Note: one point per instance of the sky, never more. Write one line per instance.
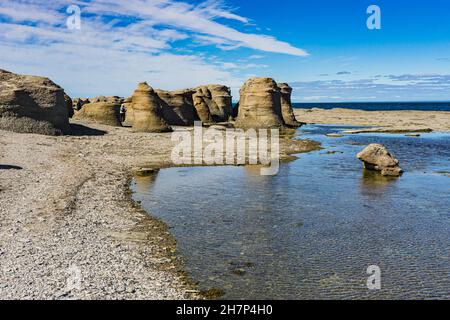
(323, 49)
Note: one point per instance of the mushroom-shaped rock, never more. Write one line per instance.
(32, 104)
(377, 157)
(148, 116)
(286, 105)
(178, 107)
(260, 104)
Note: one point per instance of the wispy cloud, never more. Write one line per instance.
(123, 42)
(342, 73)
(199, 19)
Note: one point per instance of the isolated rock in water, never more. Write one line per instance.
(129, 115)
(148, 116)
(104, 111)
(178, 107)
(377, 157)
(260, 104)
(32, 104)
(218, 100)
(286, 105)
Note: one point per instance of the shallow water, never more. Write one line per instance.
(311, 231)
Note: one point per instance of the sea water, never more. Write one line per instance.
(312, 231)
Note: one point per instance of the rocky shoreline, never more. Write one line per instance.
(65, 205)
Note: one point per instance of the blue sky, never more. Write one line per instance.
(322, 48)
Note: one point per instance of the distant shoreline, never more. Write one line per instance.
(377, 106)
(390, 120)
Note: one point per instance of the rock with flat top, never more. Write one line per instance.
(260, 105)
(102, 110)
(32, 104)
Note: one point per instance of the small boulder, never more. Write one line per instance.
(377, 157)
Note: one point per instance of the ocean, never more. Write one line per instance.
(377, 106)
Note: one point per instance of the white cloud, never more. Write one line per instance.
(123, 42)
(199, 19)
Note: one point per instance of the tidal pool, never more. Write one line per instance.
(311, 231)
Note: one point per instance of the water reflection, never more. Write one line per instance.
(373, 180)
(143, 183)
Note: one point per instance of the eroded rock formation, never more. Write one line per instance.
(103, 110)
(260, 104)
(377, 157)
(213, 103)
(32, 104)
(202, 108)
(69, 105)
(148, 115)
(286, 105)
(178, 107)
